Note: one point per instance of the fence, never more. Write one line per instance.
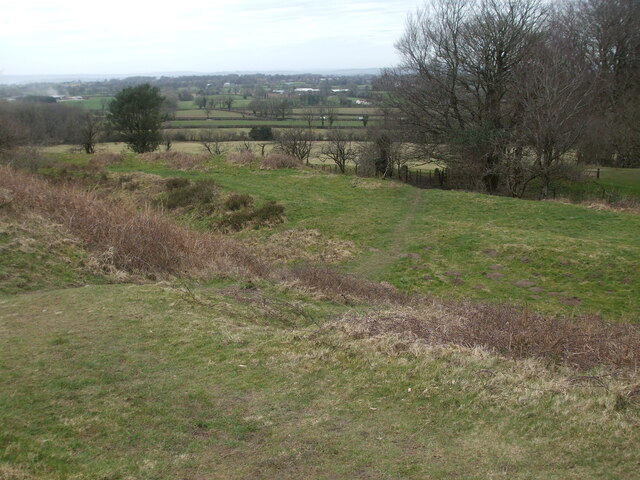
(593, 172)
(418, 178)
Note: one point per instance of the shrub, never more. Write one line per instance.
(280, 160)
(238, 201)
(199, 195)
(176, 182)
(241, 158)
(261, 133)
(267, 214)
(583, 342)
(27, 158)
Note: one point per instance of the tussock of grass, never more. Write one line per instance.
(583, 342)
(280, 160)
(241, 158)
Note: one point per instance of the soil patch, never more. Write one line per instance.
(495, 275)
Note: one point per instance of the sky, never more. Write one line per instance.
(55, 37)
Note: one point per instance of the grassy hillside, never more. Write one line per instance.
(555, 257)
(138, 344)
(138, 382)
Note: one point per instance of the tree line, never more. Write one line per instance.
(504, 91)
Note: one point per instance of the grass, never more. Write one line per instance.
(251, 122)
(36, 254)
(555, 258)
(155, 386)
(300, 371)
(625, 180)
(202, 114)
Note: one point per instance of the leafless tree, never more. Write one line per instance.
(609, 31)
(296, 142)
(208, 106)
(332, 114)
(88, 130)
(340, 148)
(309, 115)
(212, 142)
(554, 89)
(453, 90)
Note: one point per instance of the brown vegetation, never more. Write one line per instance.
(280, 160)
(334, 285)
(583, 342)
(242, 158)
(137, 241)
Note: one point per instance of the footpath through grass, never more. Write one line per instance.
(556, 258)
(126, 381)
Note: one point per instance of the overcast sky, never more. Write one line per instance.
(133, 36)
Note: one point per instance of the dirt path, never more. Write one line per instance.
(380, 260)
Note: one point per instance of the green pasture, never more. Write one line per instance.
(223, 378)
(91, 103)
(199, 113)
(555, 258)
(252, 122)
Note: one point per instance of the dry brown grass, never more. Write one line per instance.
(583, 342)
(280, 160)
(174, 159)
(334, 285)
(301, 245)
(628, 205)
(241, 158)
(139, 241)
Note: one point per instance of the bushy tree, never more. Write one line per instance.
(136, 113)
(261, 133)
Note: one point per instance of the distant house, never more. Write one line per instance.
(306, 90)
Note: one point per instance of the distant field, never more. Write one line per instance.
(213, 114)
(91, 103)
(252, 122)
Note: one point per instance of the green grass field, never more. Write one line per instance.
(553, 257)
(120, 377)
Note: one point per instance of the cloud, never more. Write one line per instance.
(127, 36)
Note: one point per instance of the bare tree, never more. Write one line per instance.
(554, 89)
(208, 106)
(212, 142)
(296, 142)
(453, 91)
(309, 115)
(227, 101)
(340, 148)
(88, 128)
(331, 114)
(609, 33)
